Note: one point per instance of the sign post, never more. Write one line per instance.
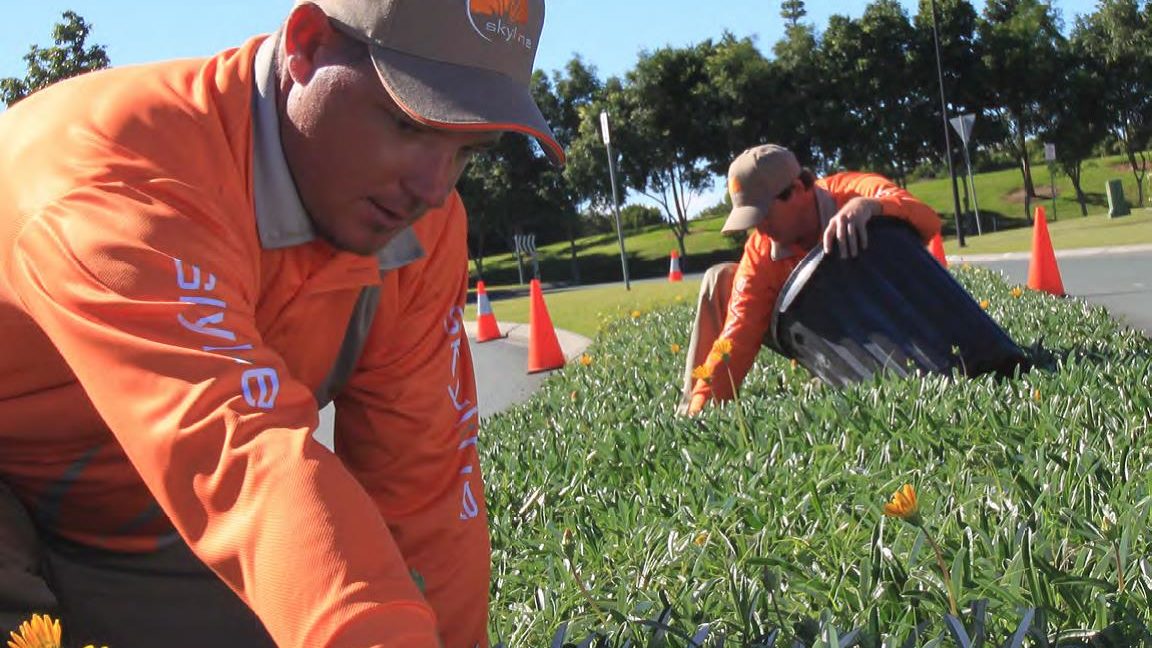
(963, 125)
(615, 201)
(1050, 157)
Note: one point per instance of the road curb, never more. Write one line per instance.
(1075, 252)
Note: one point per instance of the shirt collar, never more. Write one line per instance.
(281, 218)
(825, 207)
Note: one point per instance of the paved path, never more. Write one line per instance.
(502, 377)
(1119, 279)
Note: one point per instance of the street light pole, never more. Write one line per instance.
(615, 200)
(947, 137)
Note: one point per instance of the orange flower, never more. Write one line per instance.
(40, 632)
(635, 314)
(1036, 395)
(675, 348)
(702, 373)
(723, 347)
(984, 304)
(903, 505)
(1016, 292)
(585, 359)
(701, 539)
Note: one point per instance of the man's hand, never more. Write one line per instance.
(850, 226)
(697, 404)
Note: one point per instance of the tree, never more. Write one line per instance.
(792, 11)
(885, 121)
(803, 101)
(47, 65)
(1021, 41)
(672, 130)
(1118, 36)
(1077, 121)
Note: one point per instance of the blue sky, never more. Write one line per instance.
(608, 34)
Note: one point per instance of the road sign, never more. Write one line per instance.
(963, 125)
(604, 127)
(1049, 151)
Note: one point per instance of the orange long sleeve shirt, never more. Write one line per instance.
(761, 273)
(169, 323)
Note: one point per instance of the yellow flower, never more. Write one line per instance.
(1016, 292)
(40, 632)
(679, 298)
(675, 348)
(585, 359)
(795, 363)
(1036, 395)
(965, 266)
(635, 314)
(701, 539)
(904, 505)
(702, 373)
(984, 304)
(722, 346)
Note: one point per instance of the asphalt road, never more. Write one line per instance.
(1118, 279)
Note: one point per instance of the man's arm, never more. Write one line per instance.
(757, 283)
(865, 195)
(153, 310)
(407, 426)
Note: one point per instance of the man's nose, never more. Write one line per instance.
(432, 174)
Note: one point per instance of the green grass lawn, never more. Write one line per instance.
(612, 517)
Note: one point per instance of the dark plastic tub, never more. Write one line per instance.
(892, 308)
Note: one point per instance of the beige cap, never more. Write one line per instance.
(455, 64)
(755, 178)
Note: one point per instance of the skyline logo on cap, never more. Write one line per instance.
(500, 21)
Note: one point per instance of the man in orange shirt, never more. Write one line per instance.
(195, 257)
(789, 211)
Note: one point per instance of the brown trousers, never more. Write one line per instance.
(166, 598)
(711, 309)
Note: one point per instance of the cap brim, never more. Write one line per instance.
(742, 218)
(459, 97)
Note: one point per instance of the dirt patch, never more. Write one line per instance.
(1016, 196)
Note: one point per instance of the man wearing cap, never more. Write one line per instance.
(788, 212)
(198, 255)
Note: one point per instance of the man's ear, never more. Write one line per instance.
(305, 33)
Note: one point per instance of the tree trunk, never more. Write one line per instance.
(572, 250)
(1074, 174)
(1139, 175)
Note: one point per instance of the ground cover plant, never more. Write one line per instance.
(762, 522)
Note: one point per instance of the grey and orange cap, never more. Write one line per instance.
(455, 64)
(755, 178)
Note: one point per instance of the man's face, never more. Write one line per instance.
(363, 169)
(794, 219)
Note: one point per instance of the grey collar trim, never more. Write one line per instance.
(281, 218)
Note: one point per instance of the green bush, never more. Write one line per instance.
(609, 512)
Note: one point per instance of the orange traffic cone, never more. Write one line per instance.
(543, 348)
(486, 328)
(936, 246)
(674, 273)
(1043, 273)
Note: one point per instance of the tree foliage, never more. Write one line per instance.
(68, 57)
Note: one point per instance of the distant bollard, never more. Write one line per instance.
(1117, 205)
